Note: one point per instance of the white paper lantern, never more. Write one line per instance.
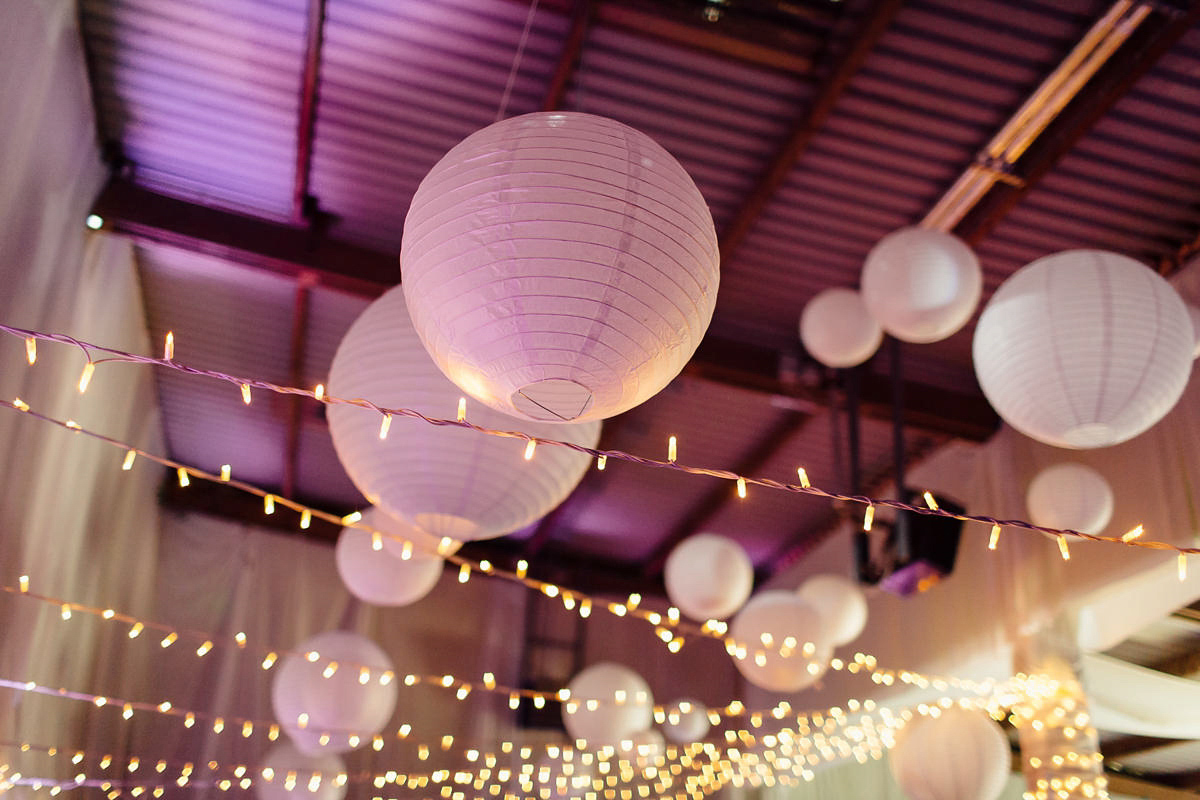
(283, 759)
(837, 329)
(448, 481)
(921, 285)
(767, 623)
(1194, 314)
(338, 705)
(624, 705)
(708, 576)
(643, 749)
(1083, 349)
(559, 266)
(685, 721)
(960, 755)
(1070, 496)
(841, 604)
(382, 577)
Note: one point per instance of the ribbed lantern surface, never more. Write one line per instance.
(559, 266)
(1083, 349)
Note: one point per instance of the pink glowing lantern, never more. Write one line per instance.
(559, 266)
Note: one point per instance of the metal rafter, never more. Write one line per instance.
(807, 125)
(568, 59)
(302, 206)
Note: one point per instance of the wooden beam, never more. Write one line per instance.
(723, 492)
(568, 58)
(149, 216)
(1159, 787)
(1152, 39)
(807, 124)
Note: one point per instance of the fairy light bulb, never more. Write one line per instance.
(802, 474)
(305, 519)
(868, 518)
(183, 477)
(226, 472)
(601, 462)
(461, 416)
(319, 392)
(530, 446)
(130, 455)
(994, 538)
(672, 449)
(1133, 533)
(269, 504)
(1063, 550)
(930, 501)
(1182, 562)
(169, 346)
(741, 488)
(385, 425)
(31, 350)
(351, 518)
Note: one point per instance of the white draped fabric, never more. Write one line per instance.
(1140, 701)
(70, 519)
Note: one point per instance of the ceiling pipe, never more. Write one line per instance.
(1038, 111)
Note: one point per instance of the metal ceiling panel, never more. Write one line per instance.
(202, 97)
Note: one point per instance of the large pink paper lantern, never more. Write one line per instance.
(771, 633)
(837, 329)
(309, 705)
(960, 755)
(608, 704)
(384, 577)
(708, 576)
(921, 285)
(1083, 349)
(559, 266)
(447, 481)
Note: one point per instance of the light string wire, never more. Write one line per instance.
(462, 688)
(786, 649)
(819, 737)
(805, 487)
(826, 721)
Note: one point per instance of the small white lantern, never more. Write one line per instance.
(837, 329)
(447, 481)
(319, 771)
(310, 699)
(1070, 496)
(685, 721)
(1083, 349)
(781, 642)
(841, 604)
(383, 577)
(921, 285)
(708, 576)
(608, 704)
(559, 266)
(960, 755)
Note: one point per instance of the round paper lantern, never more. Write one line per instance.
(837, 330)
(338, 705)
(284, 758)
(921, 285)
(764, 627)
(624, 705)
(1083, 349)
(841, 604)
(559, 266)
(686, 721)
(644, 748)
(960, 755)
(381, 577)
(1070, 496)
(448, 481)
(708, 576)
(1194, 315)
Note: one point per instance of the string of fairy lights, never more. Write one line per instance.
(749, 756)
(1135, 537)
(783, 754)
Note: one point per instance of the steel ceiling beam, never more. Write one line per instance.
(807, 125)
(568, 59)
(148, 216)
(1162, 27)
(302, 206)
